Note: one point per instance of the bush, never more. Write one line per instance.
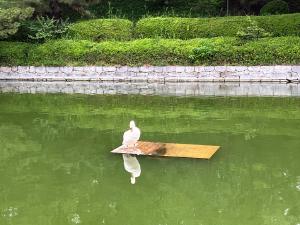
(214, 51)
(45, 28)
(280, 25)
(101, 29)
(10, 20)
(187, 28)
(252, 32)
(281, 50)
(14, 53)
(275, 7)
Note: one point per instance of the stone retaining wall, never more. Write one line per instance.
(278, 73)
(155, 88)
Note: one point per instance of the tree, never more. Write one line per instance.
(53, 8)
(10, 20)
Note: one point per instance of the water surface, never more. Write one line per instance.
(56, 166)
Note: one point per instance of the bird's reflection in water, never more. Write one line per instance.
(130, 138)
(132, 165)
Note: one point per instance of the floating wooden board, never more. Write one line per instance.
(169, 149)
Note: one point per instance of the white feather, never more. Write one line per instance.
(130, 137)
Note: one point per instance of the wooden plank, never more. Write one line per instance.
(169, 150)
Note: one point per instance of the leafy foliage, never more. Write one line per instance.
(45, 28)
(14, 53)
(53, 8)
(135, 9)
(102, 29)
(186, 28)
(213, 51)
(275, 7)
(252, 32)
(10, 20)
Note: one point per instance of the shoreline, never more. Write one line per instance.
(180, 89)
(276, 73)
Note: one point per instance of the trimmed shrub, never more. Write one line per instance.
(252, 32)
(280, 25)
(187, 28)
(213, 51)
(101, 29)
(14, 53)
(265, 51)
(275, 7)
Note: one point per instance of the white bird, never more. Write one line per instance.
(131, 164)
(131, 136)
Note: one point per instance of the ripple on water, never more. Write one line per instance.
(75, 218)
(95, 181)
(10, 212)
(298, 185)
(286, 211)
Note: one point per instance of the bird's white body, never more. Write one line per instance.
(131, 136)
(131, 164)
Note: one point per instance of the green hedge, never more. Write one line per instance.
(275, 7)
(214, 51)
(187, 28)
(14, 53)
(101, 29)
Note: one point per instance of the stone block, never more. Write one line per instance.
(23, 69)
(231, 79)
(139, 79)
(5, 69)
(219, 79)
(231, 76)
(241, 68)
(294, 75)
(106, 78)
(52, 69)
(282, 69)
(171, 79)
(122, 69)
(133, 69)
(254, 69)
(109, 68)
(3, 75)
(158, 69)
(188, 79)
(221, 68)
(40, 70)
(14, 69)
(266, 69)
(209, 75)
(209, 68)
(98, 69)
(146, 69)
(231, 69)
(189, 69)
(77, 73)
(199, 68)
(32, 69)
(156, 79)
(66, 69)
(89, 69)
(296, 69)
(180, 69)
(170, 69)
(79, 69)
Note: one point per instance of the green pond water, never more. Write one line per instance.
(56, 166)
